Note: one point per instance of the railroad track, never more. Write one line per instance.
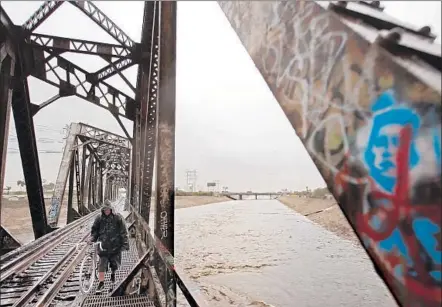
(68, 293)
(13, 256)
(32, 275)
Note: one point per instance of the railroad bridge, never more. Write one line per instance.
(252, 195)
(357, 86)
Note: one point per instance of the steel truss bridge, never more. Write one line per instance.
(341, 71)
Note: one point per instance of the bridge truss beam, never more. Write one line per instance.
(103, 168)
(7, 64)
(7, 241)
(165, 176)
(22, 113)
(351, 74)
(156, 116)
(33, 54)
(62, 44)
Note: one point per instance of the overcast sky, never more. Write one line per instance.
(229, 126)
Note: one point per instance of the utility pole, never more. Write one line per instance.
(217, 185)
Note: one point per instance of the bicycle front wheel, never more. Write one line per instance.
(87, 274)
(97, 261)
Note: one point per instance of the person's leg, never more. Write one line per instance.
(102, 266)
(115, 262)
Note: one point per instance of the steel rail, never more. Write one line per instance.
(51, 293)
(19, 288)
(21, 263)
(32, 246)
(32, 292)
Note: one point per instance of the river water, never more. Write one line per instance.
(260, 253)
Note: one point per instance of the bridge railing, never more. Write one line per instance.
(155, 255)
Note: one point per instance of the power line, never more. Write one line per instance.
(39, 151)
(42, 140)
(48, 128)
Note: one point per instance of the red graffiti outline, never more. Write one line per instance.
(399, 216)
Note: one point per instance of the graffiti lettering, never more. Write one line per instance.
(373, 130)
(166, 182)
(164, 224)
(55, 206)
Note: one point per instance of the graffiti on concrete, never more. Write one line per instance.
(398, 219)
(372, 128)
(55, 206)
(383, 143)
(166, 188)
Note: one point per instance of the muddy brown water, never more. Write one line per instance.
(261, 253)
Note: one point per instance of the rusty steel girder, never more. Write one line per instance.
(104, 136)
(82, 84)
(40, 15)
(7, 241)
(7, 64)
(62, 44)
(165, 171)
(105, 154)
(148, 78)
(104, 22)
(363, 93)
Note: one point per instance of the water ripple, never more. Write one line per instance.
(260, 253)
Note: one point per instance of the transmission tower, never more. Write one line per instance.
(191, 176)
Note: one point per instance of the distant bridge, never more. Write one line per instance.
(241, 195)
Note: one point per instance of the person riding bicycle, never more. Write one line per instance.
(109, 228)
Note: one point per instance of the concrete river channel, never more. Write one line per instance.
(261, 253)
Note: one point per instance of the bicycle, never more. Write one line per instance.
(90, 264)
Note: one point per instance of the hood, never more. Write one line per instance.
(106, 207)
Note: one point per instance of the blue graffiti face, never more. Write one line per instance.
(437, 145)
(383, 142)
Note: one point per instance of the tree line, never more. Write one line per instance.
(21, 184)
(316, 193)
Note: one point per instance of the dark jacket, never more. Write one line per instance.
(111, 231)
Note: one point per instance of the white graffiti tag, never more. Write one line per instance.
(165, 157)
